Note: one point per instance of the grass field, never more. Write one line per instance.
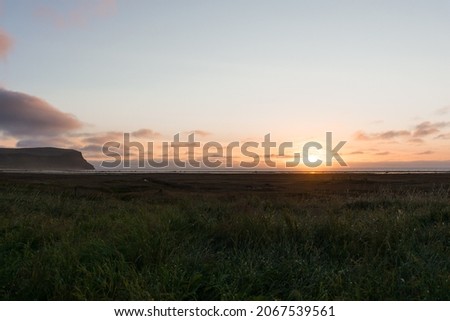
(224, 237)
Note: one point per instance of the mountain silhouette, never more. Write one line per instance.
(44, 158)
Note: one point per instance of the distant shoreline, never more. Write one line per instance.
(230, 172)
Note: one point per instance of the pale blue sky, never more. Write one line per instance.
(236, 68)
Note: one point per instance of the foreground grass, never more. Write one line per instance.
(58, 245)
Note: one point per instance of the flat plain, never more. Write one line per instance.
(193, 236)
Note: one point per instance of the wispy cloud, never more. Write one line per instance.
(428, 128)
(427, 152)
(91, 144)
(6, 43)
(420, 131)
(416, 140)
(360, 135)
(388, 135)
(443, 111)
(81, 13)
(146, 133)
(101, 138)
(61, 142)
(443, 136)
(22, 115)
(393, 134)
(383, 153)
(202, 133)
(198, 133)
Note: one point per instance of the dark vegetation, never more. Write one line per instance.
(224, 237)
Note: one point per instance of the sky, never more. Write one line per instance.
(78, 73)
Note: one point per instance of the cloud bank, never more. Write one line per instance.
(22, 115)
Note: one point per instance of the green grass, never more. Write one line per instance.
(58, 245)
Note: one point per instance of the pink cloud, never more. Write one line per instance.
(80, 14)
(6, 43)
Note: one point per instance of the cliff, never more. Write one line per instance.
(42, 159)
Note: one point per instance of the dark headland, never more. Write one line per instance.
(42, 159)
